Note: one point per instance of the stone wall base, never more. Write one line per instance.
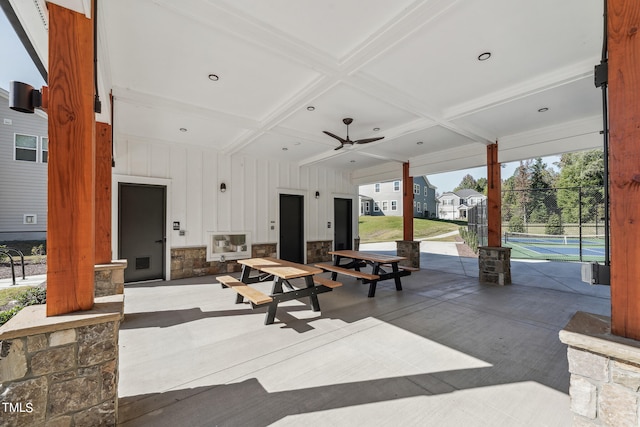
(192, 262)
(494, 264)
(61, 370)
(605, 373)
(262, 250)
(411, 250)
(318, 251)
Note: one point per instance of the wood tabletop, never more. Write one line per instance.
(368, 256)
(280, 268)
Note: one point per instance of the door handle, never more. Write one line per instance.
(161, 240)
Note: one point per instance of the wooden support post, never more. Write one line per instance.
(103, 193)
(494, 198)
(407, 203)
(623, 40)
(71, 183)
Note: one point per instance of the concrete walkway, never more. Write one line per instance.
(445, 351)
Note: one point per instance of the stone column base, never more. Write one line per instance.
(605, 373)
(494, 264)
(411, 250)
(109, 278)
(61, 370)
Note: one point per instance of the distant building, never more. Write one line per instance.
(24, 151)
(385, 198)
(454, 205)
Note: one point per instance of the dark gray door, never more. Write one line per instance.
(142, 216)
(342, 235)
(292, 228)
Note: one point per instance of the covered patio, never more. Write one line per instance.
(446, 351)
(231, 117)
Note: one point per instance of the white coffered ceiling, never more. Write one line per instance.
(407, 67)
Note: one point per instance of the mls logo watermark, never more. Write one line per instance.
(17, 408)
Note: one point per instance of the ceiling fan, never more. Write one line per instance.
(347, 121)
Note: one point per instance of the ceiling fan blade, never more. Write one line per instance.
(335, 136)
(368, 140)
(338, 147)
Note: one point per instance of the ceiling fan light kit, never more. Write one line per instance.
(346, 141)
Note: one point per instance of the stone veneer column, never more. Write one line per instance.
(61, 370)
(411, 250)
(109, 278)
(494, 264)
(605, 373)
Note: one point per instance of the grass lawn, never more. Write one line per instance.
(389, 228)
(9, 294)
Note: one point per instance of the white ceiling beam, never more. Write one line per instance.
(157, 102)
(541, 83)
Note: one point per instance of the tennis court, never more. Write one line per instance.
(555, 247)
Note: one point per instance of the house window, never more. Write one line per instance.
(385, 205)
(396, 185)
(366, 207)
(26, 147)
(394, 205)
(44, 149)
(416, 188)
(376, 207)
(377, 188)
(419, 206)
(424, 207)
(425, 191)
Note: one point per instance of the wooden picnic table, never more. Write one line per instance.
(280, 272)
(358, 259)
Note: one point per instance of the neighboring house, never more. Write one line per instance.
(24, 150)
(385, 198)
(454, 205)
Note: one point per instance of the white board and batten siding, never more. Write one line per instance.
(23, 184)
(251, 200)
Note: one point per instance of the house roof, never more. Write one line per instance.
(467, 192)
(241, 77)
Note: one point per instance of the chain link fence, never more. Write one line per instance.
(562, 224)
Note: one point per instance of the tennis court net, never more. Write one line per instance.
(551, 239)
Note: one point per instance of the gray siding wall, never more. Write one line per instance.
(387, 194)
(23, 184)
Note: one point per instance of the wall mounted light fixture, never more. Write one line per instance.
(223, 187)
(23, 97)
(317, 194)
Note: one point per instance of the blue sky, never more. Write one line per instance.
(15, 64)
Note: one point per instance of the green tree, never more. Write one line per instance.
(583, 169)
(481, 186)
(467, 182)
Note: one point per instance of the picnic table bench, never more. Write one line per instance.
(359, 259)
(280, 272)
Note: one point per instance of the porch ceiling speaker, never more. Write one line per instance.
(23, 97)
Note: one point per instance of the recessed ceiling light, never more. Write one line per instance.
(543, 109)
(214, 77)
(484, 56)
(311, 108)
(183, 129)
(285, 149)
(376, 129)
(420, 142)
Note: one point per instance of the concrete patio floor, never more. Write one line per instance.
(445, 351)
